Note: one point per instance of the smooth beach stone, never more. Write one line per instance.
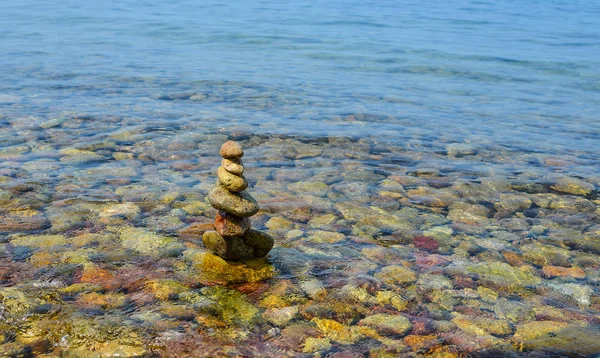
(387, 323)
(231, 149)
(573, 186)
(228, 247)
(233, 165)
(230, 225)
(215, 269)
(15, 223)
(240, 204)
(260, 241)
(231, 181)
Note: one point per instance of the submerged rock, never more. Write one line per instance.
(558, 337)
(504, 275)
(396, 275)
(12, 222)
(388, 324)
(240, 204)
(213, 268)
(572, 185)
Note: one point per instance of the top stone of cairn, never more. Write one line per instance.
(231, 149)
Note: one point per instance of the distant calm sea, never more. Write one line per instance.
(523, 75)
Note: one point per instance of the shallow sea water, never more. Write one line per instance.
(430, 174)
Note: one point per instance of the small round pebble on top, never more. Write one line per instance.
(231, 149)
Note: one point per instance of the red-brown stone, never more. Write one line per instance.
(426, 243)
(230, 225)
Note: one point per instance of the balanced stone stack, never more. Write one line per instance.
(234, 238)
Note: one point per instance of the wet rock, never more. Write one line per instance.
(240, 204)
(39, 241)
(228, 247)
(54, 122)
(234, 240)
(12, 222)
(579, 293)
(437, 198)
(514, 311)
(558, 271)
(427, 172)
(542, 255)
(431, 282)
(298, 150)
(322, 221)
(230, 305)
(391, 298)
(16, 302)
(421, 342)
(168, 223)
(366, 216)
(122, 156)
(312, 345)
(195, 230)
(469, 213)
(479, 325)
(114, 214)
(504, 275)
(260, 241)
(233, 183)
(486, 294)
(294, 335)
(280, 316)
(336, 331)
(142, 240)
(567, 204)
(107, 349)
(316, 188)
(511, 203)
(572, 185)
(326, 237)
(426, 243)
(72, 155)
(215, 269)
(14, 151)
(233, 165)
(277, 223)
(231, 225)
(459, 150)
(558, 337)
(164, 289)
(387, 324)
(314, 289)
(104, 301)
(396, 275)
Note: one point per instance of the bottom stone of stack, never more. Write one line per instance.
(253, 244)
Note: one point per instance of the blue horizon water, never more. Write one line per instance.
(524, 75)
(429, 174)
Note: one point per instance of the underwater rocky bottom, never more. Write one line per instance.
(435, 249)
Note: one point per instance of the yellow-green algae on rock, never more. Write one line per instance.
(572, 339)
(213, 268)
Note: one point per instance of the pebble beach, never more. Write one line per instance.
(426, 198)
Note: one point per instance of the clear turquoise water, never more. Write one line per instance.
(523, 74)
(434, 167)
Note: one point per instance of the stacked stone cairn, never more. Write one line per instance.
(233, 237)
